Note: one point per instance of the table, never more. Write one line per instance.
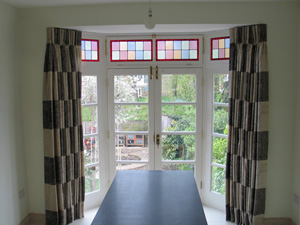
(152, 198)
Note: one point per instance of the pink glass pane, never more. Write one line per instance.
(94, 46)
(169, 54)
(222, 53)
(215, 44)
(115, 46)
(193, 45)
(161, 45)
(123, 55)
(147, 45)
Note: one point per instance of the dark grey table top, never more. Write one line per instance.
(152, 198)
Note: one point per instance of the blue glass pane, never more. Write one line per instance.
(82, 45)
(177, 45)
(88, 55)
(139, 55)
(227, 43)
(185, 54)
(131, 46)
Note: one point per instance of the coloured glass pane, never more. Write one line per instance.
(131, 50)
(177, 50)
(220, 48)
(89, 50)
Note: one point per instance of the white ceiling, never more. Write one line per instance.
(42, 3)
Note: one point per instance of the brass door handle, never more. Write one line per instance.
(157, 139)
(151, 73)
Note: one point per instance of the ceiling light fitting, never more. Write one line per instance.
(149, 24)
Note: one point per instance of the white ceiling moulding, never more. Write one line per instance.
(44, 3)
(158, 29)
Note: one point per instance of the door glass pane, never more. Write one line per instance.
(132, 166)
(178, 88)
(221, 120)
(178, 117)
(178, 147)
(218, 179)
(89, 120)
(91, 150)
(132, 147)
(92, 181)
(219, 150)
(89, 90)
(131, 118)
(169, 166)
(221, 88)
(131, 88)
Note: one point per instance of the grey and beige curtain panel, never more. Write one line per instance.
(63, 146)
(247, 150)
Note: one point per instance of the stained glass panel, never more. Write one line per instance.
(177, 49)
(130, 50)
(220, 48)
(89, 50)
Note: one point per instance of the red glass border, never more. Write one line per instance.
(211, 48)
(148, 60)
(178, 40)
(98, 50)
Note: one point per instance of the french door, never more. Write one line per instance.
(155, 119)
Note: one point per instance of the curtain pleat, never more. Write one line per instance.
(247, 151)
(63, 146)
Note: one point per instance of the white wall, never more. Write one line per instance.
(282, 20)
(12, 157)
(296, 155)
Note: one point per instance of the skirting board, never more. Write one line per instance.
(34, 218)
(40, 219)
(278, 221)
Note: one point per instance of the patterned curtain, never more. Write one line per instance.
(63, 146)
(247, 150)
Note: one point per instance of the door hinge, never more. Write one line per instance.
(154, 138)
(151, 73)
(202, 134)
(203, 45)
(105, 46)
(108, 134)
(201, 184)
(156, 72)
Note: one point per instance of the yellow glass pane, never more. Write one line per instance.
(169, 45)
(177, 54)
(131, 55)
(221, 43)
(123, 45)
(227, 53)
